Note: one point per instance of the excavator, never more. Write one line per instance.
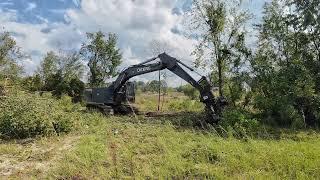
(116, 98)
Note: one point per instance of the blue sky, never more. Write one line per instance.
(40, 26)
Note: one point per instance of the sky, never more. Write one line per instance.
(40, 26)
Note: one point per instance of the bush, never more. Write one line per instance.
(25, 115)
(239, 122)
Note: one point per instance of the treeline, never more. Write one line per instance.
(278, 80)
(153, 86)
(62, 72)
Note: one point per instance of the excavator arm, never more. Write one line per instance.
(213, 106)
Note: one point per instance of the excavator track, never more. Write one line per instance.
(125, 109)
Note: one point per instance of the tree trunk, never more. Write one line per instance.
(219, 62)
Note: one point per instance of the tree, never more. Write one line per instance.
(140, 85)
(153, 86)
(286, 64)
(49, 65)
(157, 47)
(71, 65)
(221, 27)
(33, 83)
(9, 56)
(75, 90)
(57, 84)
(7, 47)
(61, 74)
(103, 57)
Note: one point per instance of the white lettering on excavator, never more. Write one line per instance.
(143, 69)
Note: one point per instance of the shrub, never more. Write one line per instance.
(25, 115)
(239, 122)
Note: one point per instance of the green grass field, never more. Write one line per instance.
(159, 148)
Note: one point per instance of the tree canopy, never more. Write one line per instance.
(103, 57)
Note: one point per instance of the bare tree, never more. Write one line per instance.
(157, 47)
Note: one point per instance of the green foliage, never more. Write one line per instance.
(71, 66)
(222, 37)
(75, 90)
(139, 86)
(164, 148)
(60, 86)
(60, 74)
(216, 14)
(48, 66)
(25, 115)
(239, 123)
(9, 55)
(103, 57)
(189, 91)
(32, 83)
(286, 67)
(57, 84)
(185, 105)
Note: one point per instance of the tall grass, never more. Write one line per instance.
(161, 151)
(172, 147)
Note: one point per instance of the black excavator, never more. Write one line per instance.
(116, 98)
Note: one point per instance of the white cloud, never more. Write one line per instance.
(136, 22)
(29, 64)
(76, 2)
(34, 40)
(31, 6)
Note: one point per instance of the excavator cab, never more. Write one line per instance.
(127, 93)
(104, 95)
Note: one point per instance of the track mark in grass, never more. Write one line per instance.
(113, 154)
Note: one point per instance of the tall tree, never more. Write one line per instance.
(71, 65)
(49, 65)
(62, 74)
(221, 28)
(103, 57)
(286, 66)
(9, 57)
